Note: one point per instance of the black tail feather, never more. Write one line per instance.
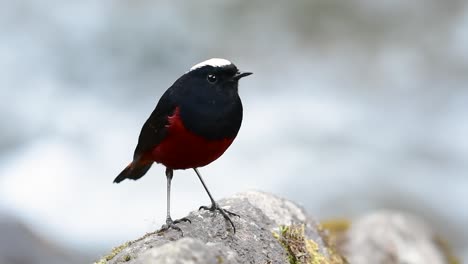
(134, 171)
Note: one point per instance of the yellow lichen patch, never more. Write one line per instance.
(113, 253)
(336, 225)
(333, 231)
(447, 250)
(301, 250)
(313, 249)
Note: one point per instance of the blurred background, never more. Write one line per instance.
(353, 106)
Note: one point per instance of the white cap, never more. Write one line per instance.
(215, 62)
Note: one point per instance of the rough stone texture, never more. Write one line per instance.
(187, 251)
(389, 237)
(209, 238)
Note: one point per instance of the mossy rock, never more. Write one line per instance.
(114, 252)
(208, 239)
(302, 250)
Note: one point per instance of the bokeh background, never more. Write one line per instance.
(353, 106)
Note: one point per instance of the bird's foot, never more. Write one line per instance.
(224, 212)
(171, 224)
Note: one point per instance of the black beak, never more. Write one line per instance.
(241, 75)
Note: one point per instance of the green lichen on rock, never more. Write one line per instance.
(127, 258)
(301, 250)
(114, 253)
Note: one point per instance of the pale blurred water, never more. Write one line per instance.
(352, 106)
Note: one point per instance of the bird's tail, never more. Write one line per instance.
(135, 170)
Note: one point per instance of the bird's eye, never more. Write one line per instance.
(212, 78)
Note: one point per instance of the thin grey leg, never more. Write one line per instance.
(169, 222)
(169, 175)
(214, 206)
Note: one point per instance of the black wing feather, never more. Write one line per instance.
(155, 128)
(153, 132)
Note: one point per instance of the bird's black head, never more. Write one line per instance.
(208, 98)
(216, 74)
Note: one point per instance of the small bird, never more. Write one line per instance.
(193, 124)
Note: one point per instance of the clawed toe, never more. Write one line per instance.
(168, 226)
(206, 208)
(224, 212)
(185, 219)
(172, 225)
(231, 213)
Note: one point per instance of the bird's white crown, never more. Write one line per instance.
(215, 62)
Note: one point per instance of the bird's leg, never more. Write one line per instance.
(169, 222)
(214, 206)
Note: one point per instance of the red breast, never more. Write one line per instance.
(182, 149)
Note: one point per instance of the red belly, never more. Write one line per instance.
(181, 149)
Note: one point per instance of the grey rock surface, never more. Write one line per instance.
(209, 238)
(189, 251)
(390, 237)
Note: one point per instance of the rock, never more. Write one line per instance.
(389, 237)
(270, 230)
(189, 251)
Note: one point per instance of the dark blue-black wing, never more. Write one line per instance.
(152, 133)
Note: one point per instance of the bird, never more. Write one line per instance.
(192, 125)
